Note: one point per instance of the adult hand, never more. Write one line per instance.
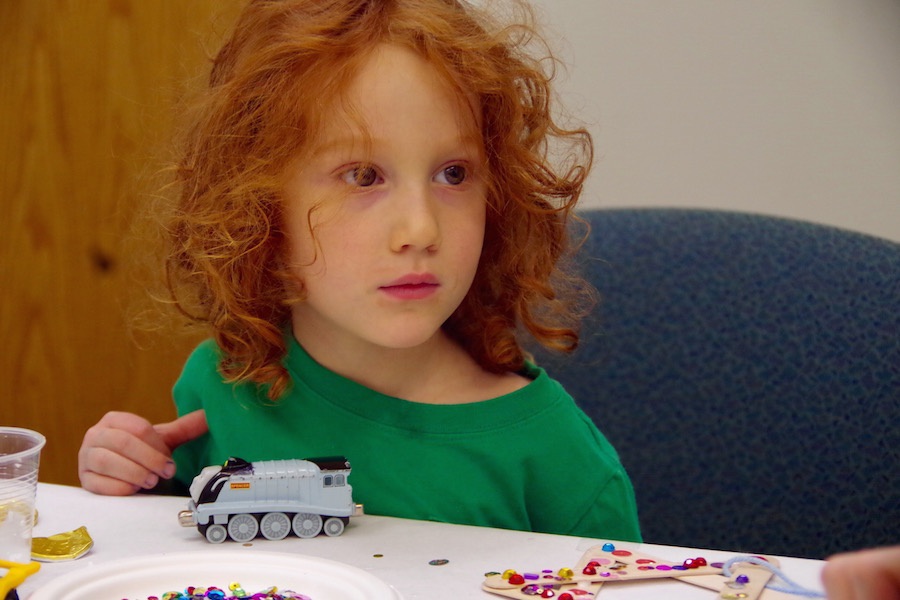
(124, 452)
(863, 575)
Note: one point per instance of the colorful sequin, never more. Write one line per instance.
(235, 592)
(599, 564)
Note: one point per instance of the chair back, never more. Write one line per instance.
(747, 369)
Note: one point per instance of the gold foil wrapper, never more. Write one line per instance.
(62, 546)
(16, 507)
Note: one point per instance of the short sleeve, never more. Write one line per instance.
(613, 513)
(200, 373)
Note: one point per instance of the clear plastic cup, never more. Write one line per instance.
(20, 454)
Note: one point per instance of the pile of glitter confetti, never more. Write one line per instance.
(235, 592)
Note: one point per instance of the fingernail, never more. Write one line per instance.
(151, 481)
(169, 470)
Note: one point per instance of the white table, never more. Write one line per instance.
(397, 551)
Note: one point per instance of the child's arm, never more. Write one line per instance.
(124, 453)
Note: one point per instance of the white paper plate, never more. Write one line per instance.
(139, 578)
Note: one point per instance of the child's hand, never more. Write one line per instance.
(124, 452)
(864, 575)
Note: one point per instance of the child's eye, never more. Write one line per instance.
(361, 176)
(452, 175)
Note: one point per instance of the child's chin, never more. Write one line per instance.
(411, 339)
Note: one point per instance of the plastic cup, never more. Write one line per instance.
(20, 454)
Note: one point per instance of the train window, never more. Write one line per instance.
(338, 480)
(327, 481)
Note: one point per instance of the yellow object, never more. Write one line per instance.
(62, 546)
(16, 574)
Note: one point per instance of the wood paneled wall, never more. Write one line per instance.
(88, 92)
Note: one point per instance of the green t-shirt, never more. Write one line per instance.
(530, 460)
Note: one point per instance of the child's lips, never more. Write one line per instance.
(412, 287)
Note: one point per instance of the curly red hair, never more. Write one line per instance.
(287, 58)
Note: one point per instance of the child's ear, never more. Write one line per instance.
(295, 290)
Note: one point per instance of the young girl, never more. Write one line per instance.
(369, 220)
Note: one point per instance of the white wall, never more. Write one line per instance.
(787, 107)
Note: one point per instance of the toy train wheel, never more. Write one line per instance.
(243, 527)
(215, 534)
(334, 527)
(307, 525)
(275, 526)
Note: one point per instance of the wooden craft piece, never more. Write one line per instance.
(747, 582)
(759, 576)
(600, 564)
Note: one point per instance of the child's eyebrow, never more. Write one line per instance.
(336, 144)
(469, 143)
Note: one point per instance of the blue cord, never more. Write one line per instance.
(790, 587)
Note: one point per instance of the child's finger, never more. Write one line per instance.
(133, 424)
(104, 471)
(107, 486)
(127, 450)
(182, 429)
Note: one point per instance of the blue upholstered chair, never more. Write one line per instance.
(747, 369)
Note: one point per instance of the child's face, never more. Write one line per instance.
(399, 211)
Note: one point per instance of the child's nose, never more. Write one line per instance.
(416, 222)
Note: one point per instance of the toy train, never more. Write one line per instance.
(241, 499)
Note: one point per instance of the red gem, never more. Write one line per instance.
(516, 579)
(566, 596)
(621, 553)
(694, 563)
(548, 593)
(589, 570)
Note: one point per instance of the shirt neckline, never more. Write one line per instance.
(309, 376)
